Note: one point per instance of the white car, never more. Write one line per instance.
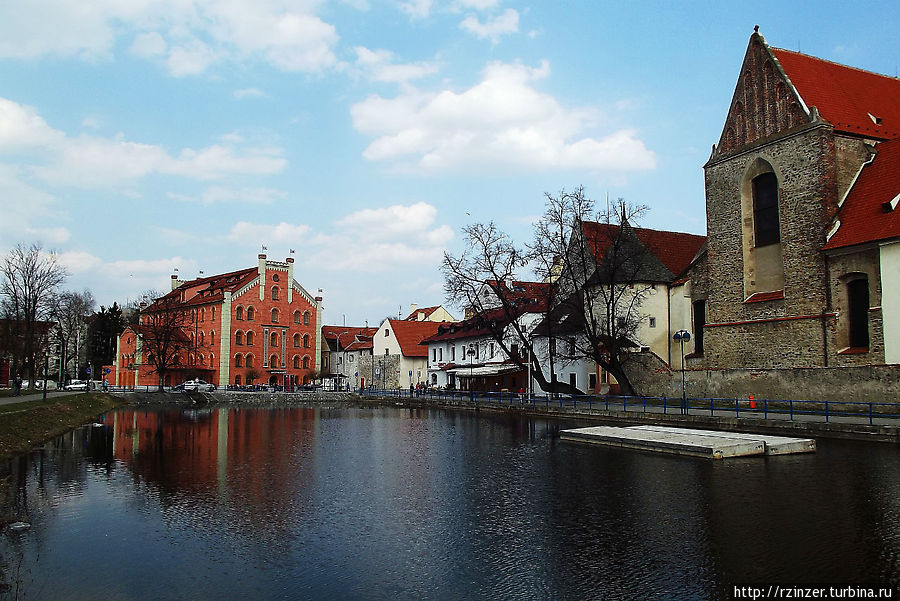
(76, 385)
(198, 386)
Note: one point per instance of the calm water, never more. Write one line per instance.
(393, 503)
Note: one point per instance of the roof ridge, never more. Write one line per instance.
(837, 64)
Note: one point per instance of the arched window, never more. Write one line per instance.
(200, 359)
(250, 313)
(202, 338)
(765, 209)
(274, 315)
(237, 361)
(296, 340)
(237, 380)
(273, 360)
(296, 316)
(202, 314)
(248, 361)
(306, 318)
(249, 338)
(306, 341)
(239, 337)
(296, 362)
(239, 314)
(305, 362)
(274, 292)
(858, 312)
(212, 360)
(212, 337)
(273, 339)
(213, 312)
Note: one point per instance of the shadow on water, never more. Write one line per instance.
(398, 503)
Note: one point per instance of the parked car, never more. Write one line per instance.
(76, 385)
(198, 386)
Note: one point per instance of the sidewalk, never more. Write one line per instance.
(37, 396)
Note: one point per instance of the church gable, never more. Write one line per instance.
(764, 102)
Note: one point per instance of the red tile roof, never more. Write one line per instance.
(414, 315)
(410, 333)
(863, 215)
(676, 250)
(845, 96)
(349, 338)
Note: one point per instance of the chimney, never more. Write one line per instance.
(175, 282)
(262, 276)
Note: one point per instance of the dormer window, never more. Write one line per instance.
(875, 120)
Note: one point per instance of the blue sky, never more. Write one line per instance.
(138, 137)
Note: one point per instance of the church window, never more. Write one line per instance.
(765, 209)
(250, 313)
(249, 338)
(238, 338)
(239, 314)
(274, 315)
(274, 292)
(306, 318)
(306, 341)
(858, 312)
(296, 340)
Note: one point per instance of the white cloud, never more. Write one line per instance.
(188, 36)
(248, 93)
(503, 121)
(221, 194)
(251, 234)
(493, 27)
(416, 9)
(23, 208)
(90, 161)
(478, 4)
(377, 65)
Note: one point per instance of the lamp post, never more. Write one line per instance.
(682, 336)
(471, 353)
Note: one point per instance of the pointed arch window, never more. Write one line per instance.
(765, 209)
(858, 312)
(239, 314)
(251, 312)
(306, 318)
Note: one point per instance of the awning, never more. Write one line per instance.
(484, 370)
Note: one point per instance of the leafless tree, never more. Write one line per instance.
(483, 280)
(602, 271)
(30, 280)
(163, 334)
(70, 313)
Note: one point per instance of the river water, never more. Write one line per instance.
(392, 503)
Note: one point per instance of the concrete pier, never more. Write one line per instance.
(683, 441)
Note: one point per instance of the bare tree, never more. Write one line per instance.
(602, 271)
(484, 280)
(30, 280)
(162, 331)
(70, 313)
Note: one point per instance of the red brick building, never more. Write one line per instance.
(253, 326)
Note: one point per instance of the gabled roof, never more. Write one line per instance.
(871, 211)
(410, 333)
(675, 250)
(211, 289)
(482, 324)
(845, 96)
(414, 315)
(349, 338)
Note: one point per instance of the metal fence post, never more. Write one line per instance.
(737, 407)
(826, 411)
(870, 413)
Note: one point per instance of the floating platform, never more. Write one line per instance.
(711, 444)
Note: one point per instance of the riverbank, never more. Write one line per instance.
(28, 424)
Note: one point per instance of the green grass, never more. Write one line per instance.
(24, 426)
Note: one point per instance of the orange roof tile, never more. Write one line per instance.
(845, 96)
(410, 333)
(675, 250)
(864, 216)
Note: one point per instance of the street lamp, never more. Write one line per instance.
(471, 353)
(682, 336)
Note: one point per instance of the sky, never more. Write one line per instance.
(143, 136)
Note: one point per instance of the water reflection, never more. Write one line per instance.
(388, 503)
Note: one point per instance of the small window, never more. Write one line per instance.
(386, 333)
(296, 362)
(237, 361)
(652, 322)
(306, 318)
(237, 380)
(249, 338)
(306, 341)
(305, 362)
(296, 340)
(274, 315)
(250, 313)
(239, 314)
(239, 338)
(249, 361)
(296, 316)
(273, 339)
(273, 361)
(274, 292)
(858, 312)
(440, 354)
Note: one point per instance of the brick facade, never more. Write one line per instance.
(253, 326)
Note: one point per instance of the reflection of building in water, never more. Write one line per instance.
(214, 451)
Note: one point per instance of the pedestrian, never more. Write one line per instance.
(17, 386)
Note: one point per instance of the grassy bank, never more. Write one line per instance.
(24, 426)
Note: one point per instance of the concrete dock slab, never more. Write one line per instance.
(679, 443)
(775, 445)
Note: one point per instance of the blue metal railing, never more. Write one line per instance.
(784, 409)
